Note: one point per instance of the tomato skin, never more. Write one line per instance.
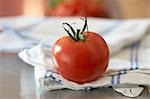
(88, 8)
(81, 61)
(64, 9)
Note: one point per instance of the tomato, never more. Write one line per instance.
(89, 8)
(81, 59)
(64, 9)
(78, 8)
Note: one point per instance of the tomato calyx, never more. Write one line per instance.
(78, 34)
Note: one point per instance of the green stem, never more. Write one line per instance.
(77, 36)
(85, 25)
(78, 32)
(69, 33)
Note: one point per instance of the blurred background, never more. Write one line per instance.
(94, 8)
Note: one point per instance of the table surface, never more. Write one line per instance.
(17, 82)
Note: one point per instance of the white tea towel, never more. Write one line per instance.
(129, 67)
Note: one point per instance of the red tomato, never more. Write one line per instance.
(78, 8)
(64, 9)
(89, 8)
(80, 60)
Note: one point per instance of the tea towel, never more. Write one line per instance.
(128, 71)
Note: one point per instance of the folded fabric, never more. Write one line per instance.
(128, 71)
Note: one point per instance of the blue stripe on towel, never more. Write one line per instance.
(51, 76)
(116, 78)
(137, 55)
(119, 75)
(112, 79)
(134, 56)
